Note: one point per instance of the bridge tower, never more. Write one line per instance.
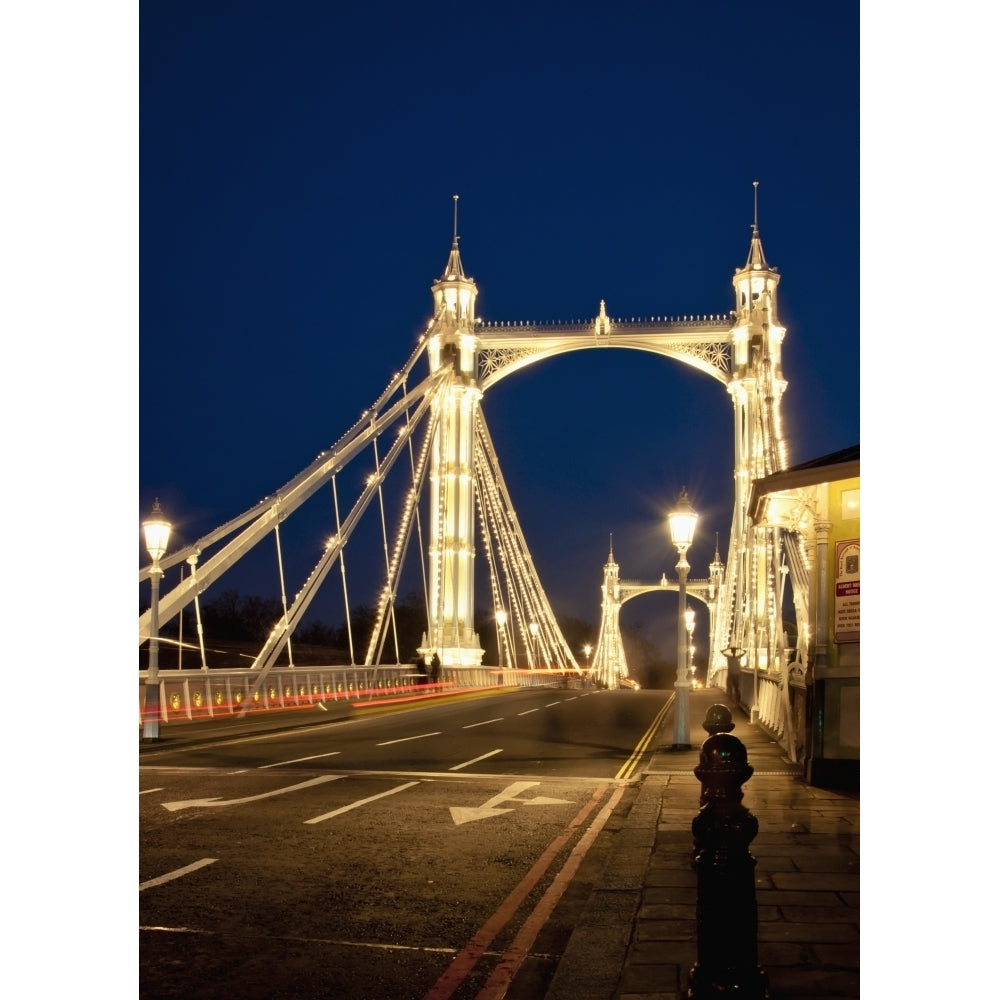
(752, 612)
(452, 344)
(608, 666)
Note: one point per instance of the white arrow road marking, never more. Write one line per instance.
(217, 801)
(361, 802)
(187, 869)
(488, 809)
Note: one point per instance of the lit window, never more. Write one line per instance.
(850, 503)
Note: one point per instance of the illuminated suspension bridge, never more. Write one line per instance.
(431, 465)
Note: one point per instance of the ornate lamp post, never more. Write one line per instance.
(533, 629)
(157, 532)
(683, 520)
(587, 649)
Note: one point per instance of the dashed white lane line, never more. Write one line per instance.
(475, 760)
(406, 739)
(472, 725)
(170, 876)
(361, 802)
(283, 763)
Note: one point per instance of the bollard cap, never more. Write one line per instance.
(718, 719)
(723, 765)
(723, 749)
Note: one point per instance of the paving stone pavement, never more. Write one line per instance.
(638, 937)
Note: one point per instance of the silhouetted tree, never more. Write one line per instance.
(260, 615)
(242, 619)
(316, 633)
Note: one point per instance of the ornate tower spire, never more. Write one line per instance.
(453, 329)
(453, 269)
(758, 333)
(715, 570)
(755, 259)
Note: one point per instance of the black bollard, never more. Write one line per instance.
(727, 900)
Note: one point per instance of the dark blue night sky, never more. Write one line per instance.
(297, 167)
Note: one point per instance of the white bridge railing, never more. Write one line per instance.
(210, 694)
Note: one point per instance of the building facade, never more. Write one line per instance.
(818, 505)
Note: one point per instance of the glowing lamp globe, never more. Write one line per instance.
(157, 532)
(683, 520)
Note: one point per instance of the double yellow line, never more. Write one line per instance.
(628, 768)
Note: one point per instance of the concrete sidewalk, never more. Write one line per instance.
(637, 938)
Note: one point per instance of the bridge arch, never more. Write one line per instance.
(706, 349)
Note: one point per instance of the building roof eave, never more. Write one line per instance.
(845, 464)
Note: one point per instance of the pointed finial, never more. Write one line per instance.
(454, 233)
(755, 183)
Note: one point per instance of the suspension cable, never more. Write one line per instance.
(284, 599)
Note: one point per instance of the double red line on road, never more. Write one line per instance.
(469, 956)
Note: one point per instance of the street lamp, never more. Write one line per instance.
(533, 629)
(157, 532)
(682, 521)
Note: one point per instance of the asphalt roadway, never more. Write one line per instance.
(637, 939)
